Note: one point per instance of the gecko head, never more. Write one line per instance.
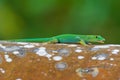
(96, 38)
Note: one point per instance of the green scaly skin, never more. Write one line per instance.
(67, 38)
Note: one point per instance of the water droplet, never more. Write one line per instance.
(82, 71)
(64, 52)
(101, 56)
(11, 48)
(21, 53)
(61, 65)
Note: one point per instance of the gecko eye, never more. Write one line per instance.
(96, 36)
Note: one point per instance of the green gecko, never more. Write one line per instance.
(67, 38)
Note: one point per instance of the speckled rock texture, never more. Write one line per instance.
(42, 61)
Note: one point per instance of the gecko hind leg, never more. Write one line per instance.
(52, 41)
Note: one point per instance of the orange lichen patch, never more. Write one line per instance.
(59, 62)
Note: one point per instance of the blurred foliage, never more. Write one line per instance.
(45, 18)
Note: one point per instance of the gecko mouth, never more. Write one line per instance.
(101, 41)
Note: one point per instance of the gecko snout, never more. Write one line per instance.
(102, 41)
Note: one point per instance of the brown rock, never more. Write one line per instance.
(40, 61)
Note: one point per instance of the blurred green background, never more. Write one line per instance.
(45, 18)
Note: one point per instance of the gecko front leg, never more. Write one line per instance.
(83, 42)
(53, 40)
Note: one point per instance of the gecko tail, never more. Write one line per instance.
(31, 40)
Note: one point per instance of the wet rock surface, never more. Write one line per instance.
(41, 61)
